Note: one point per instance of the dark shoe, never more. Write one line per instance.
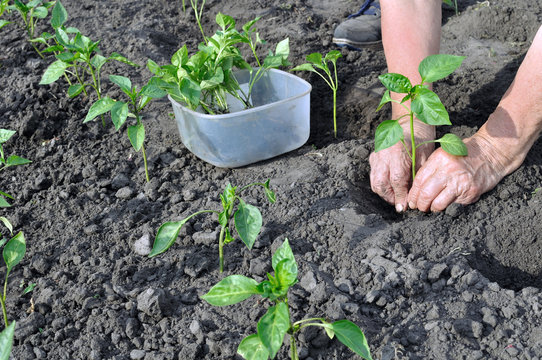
(362, 29)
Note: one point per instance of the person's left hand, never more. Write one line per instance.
(445, 179)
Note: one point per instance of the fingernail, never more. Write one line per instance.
(399, 207)
(411, 205)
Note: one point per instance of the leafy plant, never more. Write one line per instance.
(316, 60)
(77, 56)
(276, 323)
(207, 77)
(31, 13)
(120, 110)
(247, 219)
(425, 105)
(12, 253)
(7, 161)
(6, 341)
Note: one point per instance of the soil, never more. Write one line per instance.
(461, 284)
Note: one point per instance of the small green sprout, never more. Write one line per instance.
(425, 106)
(316, 60)
(120, 111)
(276, 323)
(8, 161)
(247, 219)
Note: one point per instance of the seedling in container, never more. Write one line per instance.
(247, 219)
(276, 323)
(316, 60)
(425, 106)
(8, 161)
(120, 111)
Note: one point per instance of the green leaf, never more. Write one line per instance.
(350, 335)
(191, 91)
(436, 67)
(252, 348)
(396, 82)
(286, 273)
(136, 134)
(227, 236)
(6, 195)
(59, 15)
(333, 55)
(14, 160)
(6, 341)
(428, 108)
(5, 135)
(283, 48)
(29, 288)
(283, 252)
(122, 59)
(119, 113)
(54, 72)
(153, 67)
(224, 21)
(14, 251)
(273, 326)
(387, 134)
(315, 59)
(304, 67)
(74, 90)
(152, 91)
(231, 290)
(99, 107)
(271, 196)
(213, 82)
(40, 12)
(123, 82)
(248, 223)
(66, 56)
(166, 236)
(180, 58)
(386, 98)
(4, 23)
(7, 224)
(453, 145)
(98, 61)
(4, 203)
(248, 26)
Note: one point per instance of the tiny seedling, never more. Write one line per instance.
(425, 105)
(28, 289)
(247, 219)
(77, 56)
(13, 252)
(120, 110)
(276, 323)
(207, 77)
(31, 13)
(317, 61)
(7, 161)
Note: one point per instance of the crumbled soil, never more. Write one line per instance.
(462, 284)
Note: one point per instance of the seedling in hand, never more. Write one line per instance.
(317, 61)
(30, 13)
(425, 106)
(276, 323)
(206, 78)
(7, 161)
(120, 111)
(247, 219)
(13, 252)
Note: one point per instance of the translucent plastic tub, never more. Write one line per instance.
(279, 122)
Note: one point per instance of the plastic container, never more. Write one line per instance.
(279, 122)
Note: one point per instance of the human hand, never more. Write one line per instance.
(445, 179)
(391, 168)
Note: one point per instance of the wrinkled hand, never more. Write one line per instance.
(391, 168)
(445, 179)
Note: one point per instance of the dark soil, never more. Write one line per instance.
(462, 284)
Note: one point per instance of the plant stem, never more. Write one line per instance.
(413, 145)
(335, 111)
(221, 250)
(293, 348)
(3, 300)
(145, 162)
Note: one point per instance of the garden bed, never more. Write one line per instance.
(462, 284)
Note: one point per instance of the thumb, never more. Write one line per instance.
(400, 181)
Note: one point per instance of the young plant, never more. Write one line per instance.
(30, 13)
(120, 110)
(3, 7)
(247, 219)
(276, 323)
(425, 106)
(12, 253)
(6, 341)
(207, 77)
(7, 161)
(316, 60)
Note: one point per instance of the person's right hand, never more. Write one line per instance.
(391, 168)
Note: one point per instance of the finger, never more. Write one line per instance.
(422, 176)
(446, 197)
(430, 190)
(380, 183)
(399, 180)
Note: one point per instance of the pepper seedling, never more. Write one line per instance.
(207, 77)
(13, 252)
(276, 323)
(247, 219)
(425, 105)
(120, 110)
(316, 60)
(8, 161)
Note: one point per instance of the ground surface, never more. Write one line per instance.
(463, 284)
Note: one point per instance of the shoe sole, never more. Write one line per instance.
(375, 45)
